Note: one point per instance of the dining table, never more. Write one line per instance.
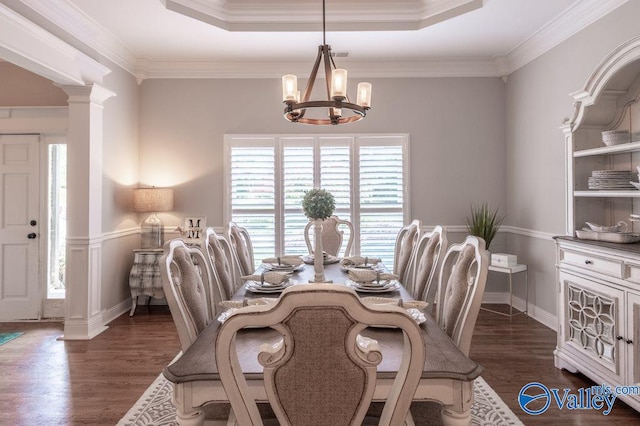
(447, 375)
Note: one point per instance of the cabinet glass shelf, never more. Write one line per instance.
(631, 193)
(606, 150)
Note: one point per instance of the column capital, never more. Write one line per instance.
(89, 93)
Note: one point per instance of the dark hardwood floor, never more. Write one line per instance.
(44, 381)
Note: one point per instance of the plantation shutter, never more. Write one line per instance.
(298, 167)
(335, 177)
(252, 195)
(268, 176)
(381, 199)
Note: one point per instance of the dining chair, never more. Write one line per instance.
(332, 236)
(422, 279)
(405, 241)
(220, 254)
(463, 277)
(192, 295)
(242, 246)
(321, 371)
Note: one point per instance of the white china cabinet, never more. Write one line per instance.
(599, 282)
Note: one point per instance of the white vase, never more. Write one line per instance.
(318, 258)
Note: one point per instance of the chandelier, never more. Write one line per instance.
(337, 109)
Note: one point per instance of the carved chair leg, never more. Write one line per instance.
(454, 418)
(192, 418)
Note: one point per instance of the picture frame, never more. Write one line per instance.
(193, 227)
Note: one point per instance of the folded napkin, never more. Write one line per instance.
(359, 261)
(269, 278)
(369, 276)
(288, 260)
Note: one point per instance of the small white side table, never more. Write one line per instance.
(144, 278)
(510, 270)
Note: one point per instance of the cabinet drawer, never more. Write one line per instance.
(591, 262)
(632, 272)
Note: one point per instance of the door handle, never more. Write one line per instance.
(32, 235)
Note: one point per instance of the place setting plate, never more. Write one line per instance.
(283, 268)
(258, 287)
(382, 286)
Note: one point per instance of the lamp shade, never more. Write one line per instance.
(147, 200)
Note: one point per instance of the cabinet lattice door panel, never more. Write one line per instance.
(592, 322)
(591, 312)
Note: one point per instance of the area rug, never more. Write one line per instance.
(5, 337)
(154, 408)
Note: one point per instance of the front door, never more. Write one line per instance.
(20, 292)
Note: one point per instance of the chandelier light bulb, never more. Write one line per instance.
(364, 95)
(339, 83)
(289, 87)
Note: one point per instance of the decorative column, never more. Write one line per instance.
(83, 309)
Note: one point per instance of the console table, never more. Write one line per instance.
(144, 278)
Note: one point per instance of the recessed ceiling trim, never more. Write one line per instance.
(65, 15)
(347, 15)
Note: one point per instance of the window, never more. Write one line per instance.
(57, 218)
(268, 176)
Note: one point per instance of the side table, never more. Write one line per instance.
(510, 270)
(144, 278)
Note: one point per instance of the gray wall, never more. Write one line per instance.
(120, 174)
(19, 87)
(456, 128)
(537, 100)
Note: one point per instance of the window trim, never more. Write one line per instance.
(316, 140)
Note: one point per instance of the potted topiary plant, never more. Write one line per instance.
(318, 205)
(484, 222)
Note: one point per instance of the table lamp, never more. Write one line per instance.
(152, 200)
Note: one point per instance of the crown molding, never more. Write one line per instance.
(578, 16)
(69, 18)
(479, 67)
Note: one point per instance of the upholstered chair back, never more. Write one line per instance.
(425, 262)
(332, 236)
(187, 284)
(405, 241)
(463, 277)
(242, 246)
(220, 254)
(322, 371)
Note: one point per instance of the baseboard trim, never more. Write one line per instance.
(114, 312)
(543, 317)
